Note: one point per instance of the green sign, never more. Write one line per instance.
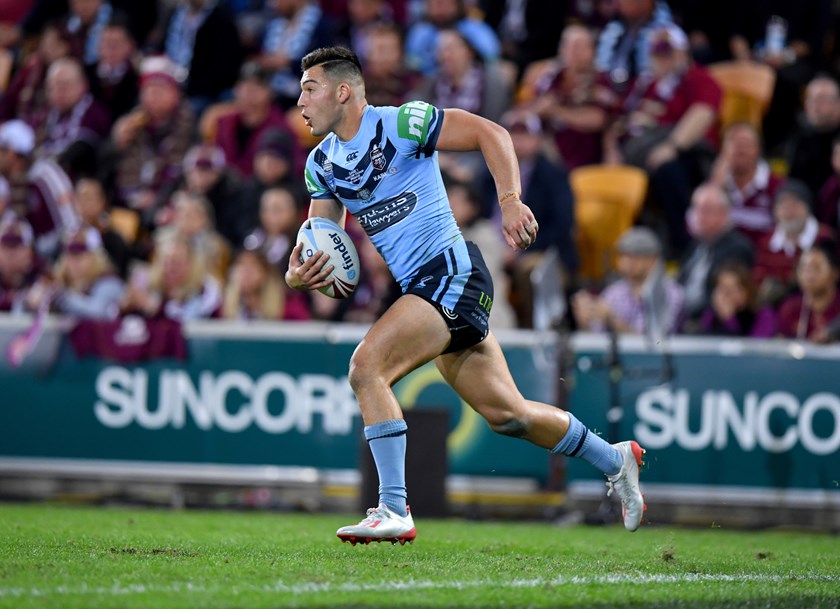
(744, 414)
(267, 394)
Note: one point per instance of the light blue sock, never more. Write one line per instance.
(581, 443)
(387, 443)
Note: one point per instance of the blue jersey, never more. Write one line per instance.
(388, 177)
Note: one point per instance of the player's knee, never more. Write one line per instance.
(508, 426)
(363, 370)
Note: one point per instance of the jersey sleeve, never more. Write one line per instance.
(414, 128)
(313, 175)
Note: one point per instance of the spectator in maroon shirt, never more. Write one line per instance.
(75, 117)
(150, 142)
(733, 308)
(746, 177)
(828, 201)
(26, 96)
(814, 313)
(40, 192)
(796, 231)
(568, 99)
(19, 268)
(239, 133)
(667, 126)
(113, 79)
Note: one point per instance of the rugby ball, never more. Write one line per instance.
(327, 236)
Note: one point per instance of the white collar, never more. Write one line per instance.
(759, 181)
(779, 240)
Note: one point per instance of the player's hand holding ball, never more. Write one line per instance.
(324, 259)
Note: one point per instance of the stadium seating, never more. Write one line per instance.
(747, 89)
(607, 200)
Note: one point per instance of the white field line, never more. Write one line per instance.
(411, 585)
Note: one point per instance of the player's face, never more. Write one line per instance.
(318, 102)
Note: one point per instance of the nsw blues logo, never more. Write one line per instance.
(328, 173)
(377, 158)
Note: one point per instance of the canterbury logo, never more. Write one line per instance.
(352, 156)
(422, 282)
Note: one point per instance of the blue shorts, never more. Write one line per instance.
(458, 284)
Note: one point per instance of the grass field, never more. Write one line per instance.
(73, 557)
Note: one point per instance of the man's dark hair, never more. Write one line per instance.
(337, 62)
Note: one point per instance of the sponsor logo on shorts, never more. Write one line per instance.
(485, 302)
(449, 313)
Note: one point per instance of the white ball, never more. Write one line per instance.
(327, 236)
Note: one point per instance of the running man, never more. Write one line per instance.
(380, 164)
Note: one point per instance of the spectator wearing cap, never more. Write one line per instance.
(149, 143)
(26, 96)
(75, 117)
(571, 100)
(238, 133)
(40, 192)
(85, 23)
(746, 177)
(94, 211)
(206, 174)
(86, 283)
(668, 127)
(447, 14)
(546, 189)
(808, 149)
(796, 230)
(297, 27)
(623, 304)
(20, 269)
(114, 80)
(714, 242)
(623, 49)
(272, 167)
(201, 38)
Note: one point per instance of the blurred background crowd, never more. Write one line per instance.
(151, 156)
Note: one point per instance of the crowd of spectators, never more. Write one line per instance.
(151, 154)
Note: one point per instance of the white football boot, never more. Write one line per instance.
(626, 484)
(380, 524)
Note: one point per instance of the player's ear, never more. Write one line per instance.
(343, 93)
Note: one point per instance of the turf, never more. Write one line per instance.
(73, 557)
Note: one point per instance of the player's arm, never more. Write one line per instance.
(463, 131)
(313, 273)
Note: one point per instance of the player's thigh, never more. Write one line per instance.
(409, 334)
(480, 375)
